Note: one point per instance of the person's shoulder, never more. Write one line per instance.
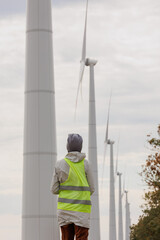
(61, 161)
(86, 164)
(61, 164)
(86, 161)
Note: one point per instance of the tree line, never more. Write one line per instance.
(148, 226)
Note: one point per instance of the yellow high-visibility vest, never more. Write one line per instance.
(74, 194)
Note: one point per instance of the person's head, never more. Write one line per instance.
(74, 143)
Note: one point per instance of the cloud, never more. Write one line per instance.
(12, 204)
(10, 226)
(8, 7)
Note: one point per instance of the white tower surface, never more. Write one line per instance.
(92, 154)
(112, 211)
(39, 220)
(120, 216)
(128, 221)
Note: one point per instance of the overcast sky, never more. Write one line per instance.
(125, 39)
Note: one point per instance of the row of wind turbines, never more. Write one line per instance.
(92, 156)
(112, 209)
(39, 207)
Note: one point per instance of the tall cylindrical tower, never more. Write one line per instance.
(39, 206)
(120, 215)
(92, 154)
(128, 220)
(112, 211)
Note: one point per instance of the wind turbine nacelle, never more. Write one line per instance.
(90, 62)
(110, 142)
(119, 174)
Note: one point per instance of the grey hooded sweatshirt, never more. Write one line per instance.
(60, 175)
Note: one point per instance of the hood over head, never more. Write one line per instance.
(74, 143)
(75, 156)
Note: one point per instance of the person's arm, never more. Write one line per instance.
(60, 175)
(89, 176)
(55, 184)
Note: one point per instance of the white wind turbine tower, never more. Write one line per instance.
(120, 195)
(112, 211)
(39, 220)
(120, 216)
(128, 219)
(92, 138)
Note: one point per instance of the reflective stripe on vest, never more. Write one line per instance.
(74, 188)
(74, 194)
(74, 201)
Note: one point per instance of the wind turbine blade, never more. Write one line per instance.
(106, 137)
(116, 167)
(124, 182)
(80, 80)
(83, 57)
(104, 157)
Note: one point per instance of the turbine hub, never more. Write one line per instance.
(90, 62)
(110, 141)
(119, 174)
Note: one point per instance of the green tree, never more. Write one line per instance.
(148, 226)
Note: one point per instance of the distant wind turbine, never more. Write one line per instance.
(112, 211)
(127, 211)
(128, 219)
(92, 139)
(120, 214)
(106, 138)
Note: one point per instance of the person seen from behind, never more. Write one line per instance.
(73, 181)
